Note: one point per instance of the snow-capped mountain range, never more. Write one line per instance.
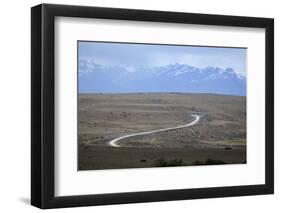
(97, 78)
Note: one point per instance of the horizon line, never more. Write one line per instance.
(182, 93)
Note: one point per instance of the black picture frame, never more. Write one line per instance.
(43, 102)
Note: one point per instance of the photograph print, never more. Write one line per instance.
(160, 105)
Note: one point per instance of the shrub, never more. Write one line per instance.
(197, 162)
(166, 163)
(176, 162)
(211, 161)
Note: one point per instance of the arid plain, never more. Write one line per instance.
(219, 137)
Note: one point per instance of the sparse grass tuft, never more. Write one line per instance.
(166, 163)
(209, 161)
(197, 162)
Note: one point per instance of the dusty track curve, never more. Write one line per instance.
(114, 141)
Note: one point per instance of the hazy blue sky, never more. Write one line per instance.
(144, 55)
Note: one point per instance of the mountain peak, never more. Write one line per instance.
(169, 78)
(230, 70)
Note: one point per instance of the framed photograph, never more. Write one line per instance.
(139, 106)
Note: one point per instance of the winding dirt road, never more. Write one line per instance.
(115, 144)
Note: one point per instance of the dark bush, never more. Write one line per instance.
(176, 162)
(166, 163)
(211, 161)
(197, 162)
(161, 162)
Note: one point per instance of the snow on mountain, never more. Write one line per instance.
(86, 66)
(170, 78)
